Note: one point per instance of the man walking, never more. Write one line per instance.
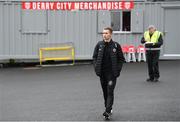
(108, 59)
(153, 41)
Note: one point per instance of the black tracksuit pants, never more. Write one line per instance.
(108, 83)
(153, 65)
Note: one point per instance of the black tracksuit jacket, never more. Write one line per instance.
(110, 54)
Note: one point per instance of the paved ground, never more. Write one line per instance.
(74, 93)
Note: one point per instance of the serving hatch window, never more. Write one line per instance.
(121, 21)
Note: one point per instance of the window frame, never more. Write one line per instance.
(38, 30)
(121, 22)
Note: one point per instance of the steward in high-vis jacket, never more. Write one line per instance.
(108, 60)
(153, 41)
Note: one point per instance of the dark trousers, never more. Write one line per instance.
(152, 61)
(108, 84)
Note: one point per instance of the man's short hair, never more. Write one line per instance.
(109, 28)
(151, 26)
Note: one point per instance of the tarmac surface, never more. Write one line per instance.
(73, 93)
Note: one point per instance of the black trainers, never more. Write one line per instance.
(104, 113)
(107, 115)
(156, 80)
(150, 80)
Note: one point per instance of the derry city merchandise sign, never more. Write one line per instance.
(94, 5)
